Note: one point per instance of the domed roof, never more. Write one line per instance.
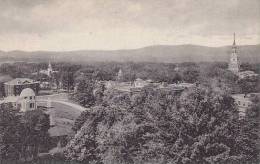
(27, 92)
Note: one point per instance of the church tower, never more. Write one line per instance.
(49, 69)
(234, 64)
(119, 75)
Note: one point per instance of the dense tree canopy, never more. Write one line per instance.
(249, 85)
(35, 126)
(200, 126)
(84, 93)
(10, 132)
(22, 134)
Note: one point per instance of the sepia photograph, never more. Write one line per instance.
(129, 82)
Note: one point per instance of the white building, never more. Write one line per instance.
(140, 83)
(247, 74)
(15, 86)
(244, 102)
(26, 101)
(49, 72)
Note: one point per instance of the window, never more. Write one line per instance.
(31, 105)
(30, 97)
(239, 103)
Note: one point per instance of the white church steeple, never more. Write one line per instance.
(234, 63)
(49, 73)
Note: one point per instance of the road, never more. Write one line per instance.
(61, 98)
(72, 105)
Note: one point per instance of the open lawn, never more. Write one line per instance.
(64, 111)
(63, 117)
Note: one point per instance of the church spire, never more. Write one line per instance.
(234, 43)
(234, 64)
(234, 47)
(49, 70)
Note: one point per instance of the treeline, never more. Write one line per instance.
(90, 92)
(200, 125)
(158, 72)
(22, 135)
(69, 75)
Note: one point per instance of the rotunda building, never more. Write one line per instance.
(27, 100)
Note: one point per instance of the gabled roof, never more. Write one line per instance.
(20, 81)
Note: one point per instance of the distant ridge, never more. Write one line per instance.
(156, 53)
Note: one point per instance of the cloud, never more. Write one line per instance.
(112, 24)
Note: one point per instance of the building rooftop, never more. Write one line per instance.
(181, 85)
(27, 92)
(245, 97)
(21, 81)
(10, 99)
(244, 74)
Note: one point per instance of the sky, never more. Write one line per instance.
(66, 25)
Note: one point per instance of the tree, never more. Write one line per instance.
(209, 130)
(3, 79)
(10, 133)
(217, 75)
(22, 134)
(190, 74)
(79, 122)
(99, 93)
(83, 147)
(35, 132)
(117, 98)
(250, 126)
(84, 94)
(121, 135)
(246, 66)
(67, 80)
(248, 85)
(156, 126)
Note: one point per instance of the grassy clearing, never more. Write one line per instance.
(63, 116)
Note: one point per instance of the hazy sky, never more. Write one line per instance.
(119, 24)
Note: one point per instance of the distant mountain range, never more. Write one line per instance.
(157, 53)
